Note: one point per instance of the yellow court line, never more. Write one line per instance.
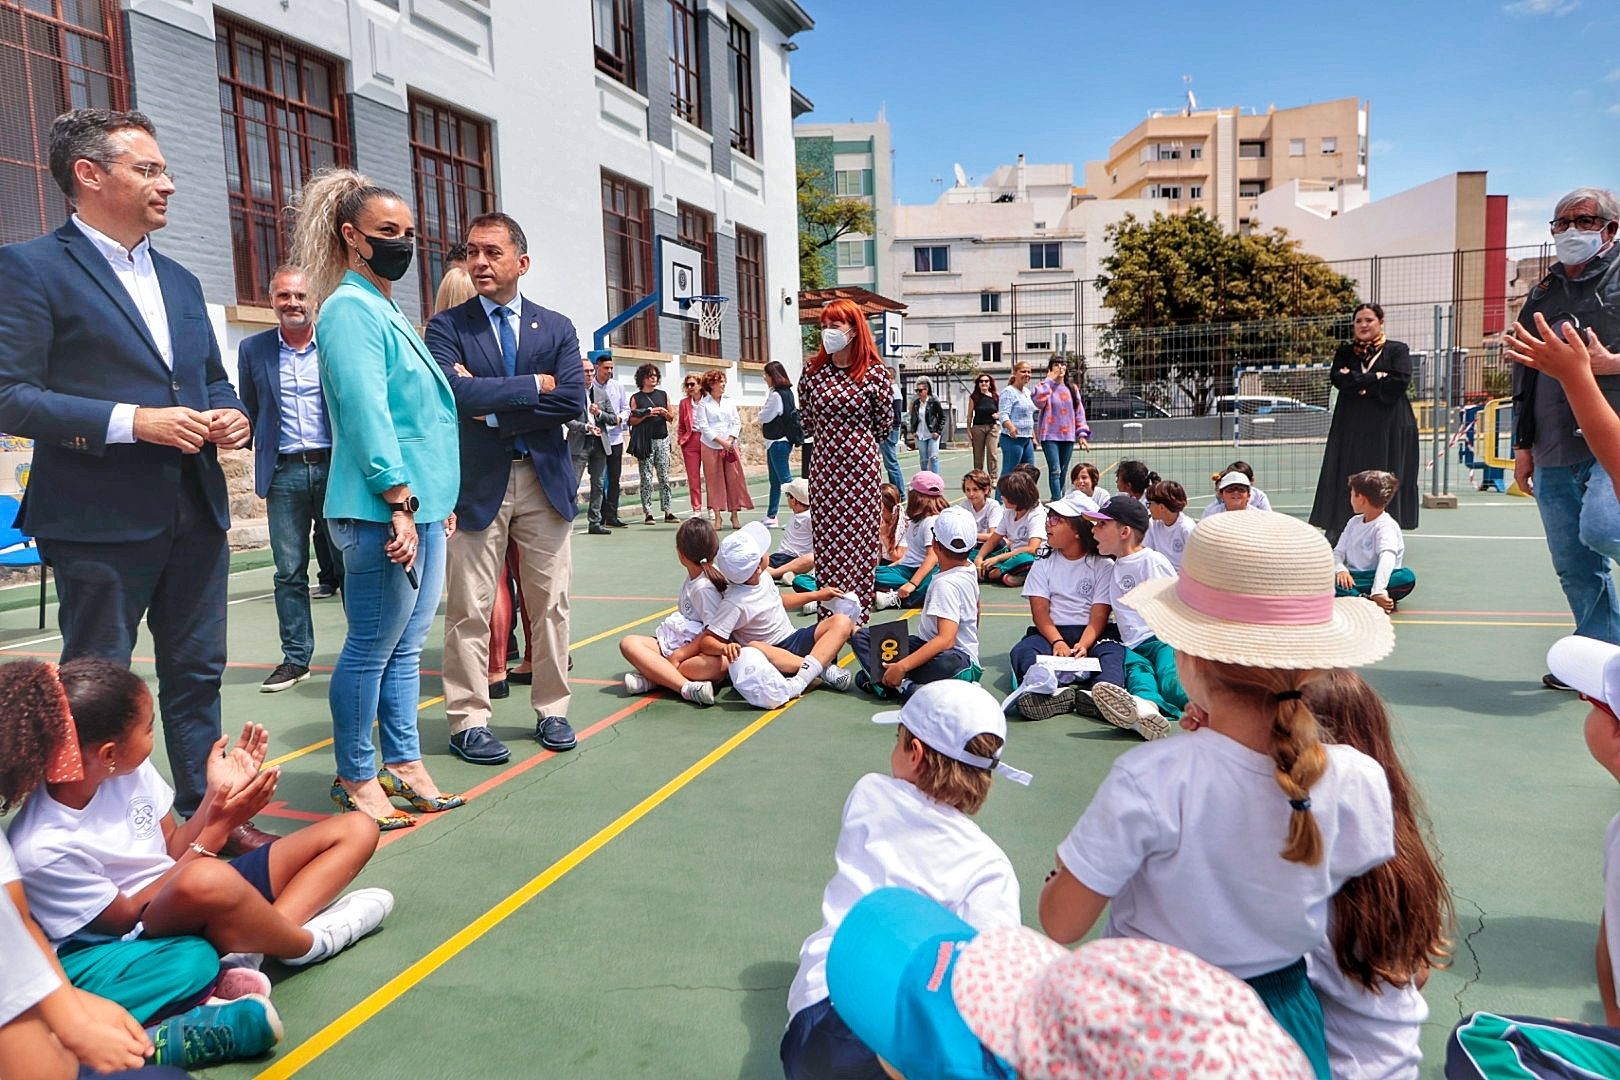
(385, 995)
(314, 746)
(594, 638)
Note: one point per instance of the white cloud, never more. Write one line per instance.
(1613, 76)
(1541, 7)
(1613, 110)
(1379, 148)
(1527, 219)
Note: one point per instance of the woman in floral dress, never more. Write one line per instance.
(844, 404)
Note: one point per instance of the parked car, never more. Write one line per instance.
(1262, 405)
(1122, 407)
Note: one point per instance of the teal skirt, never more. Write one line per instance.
(1292, 1002)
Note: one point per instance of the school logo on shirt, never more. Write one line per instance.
(1126, 584)
(1179, 543)
(143, 817)
(1085, 591)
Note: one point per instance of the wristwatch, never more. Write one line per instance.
(410, 506)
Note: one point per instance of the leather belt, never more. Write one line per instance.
(307, 457)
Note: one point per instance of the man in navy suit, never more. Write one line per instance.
(514, 368)
(280, 380)
(108, 362)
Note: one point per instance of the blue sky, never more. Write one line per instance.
(1527, 90)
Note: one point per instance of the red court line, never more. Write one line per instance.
(323, 668)
(512, 773)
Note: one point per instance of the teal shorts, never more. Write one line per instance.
(151, 977)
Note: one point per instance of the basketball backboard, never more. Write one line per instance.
(680, 277)
(891, 337)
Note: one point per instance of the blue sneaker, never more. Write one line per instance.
(214, 1034)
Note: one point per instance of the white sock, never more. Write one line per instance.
(810, 670)
(798, 684)
(320, 949)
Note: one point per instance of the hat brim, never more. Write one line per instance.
(1584, 663)
(993, 973)
(1358, 632)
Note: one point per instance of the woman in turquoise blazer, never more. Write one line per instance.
(391, 486)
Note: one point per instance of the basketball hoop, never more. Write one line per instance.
(711, 312)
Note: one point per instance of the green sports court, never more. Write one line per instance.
(635, 907)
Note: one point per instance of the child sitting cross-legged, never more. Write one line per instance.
(977, 487)
(904, 583)
(795, 553)
(657, 659)
(1231, 842)
(913, 829)
(1370, 550)
(1006, 556)
(947, 639)
(103, 858)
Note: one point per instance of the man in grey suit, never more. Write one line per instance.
(589, 452)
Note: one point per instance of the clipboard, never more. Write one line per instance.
(888, 643)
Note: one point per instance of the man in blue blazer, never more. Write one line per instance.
(279, 374)
(514, 369)
(108, 362)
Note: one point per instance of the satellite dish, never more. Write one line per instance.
(961, 176)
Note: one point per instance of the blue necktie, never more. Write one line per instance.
(508, 339)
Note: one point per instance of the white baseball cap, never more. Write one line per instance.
(956, 530)
(1075, 504)
(1591, 666)
(947, 714)
(1234, 479)
(739, 554)
(798, 488)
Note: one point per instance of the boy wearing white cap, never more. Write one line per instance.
(947, 639)
(912, 829)
(796, 552)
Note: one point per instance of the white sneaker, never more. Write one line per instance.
(884, 600)
(699, 693)
(837, 678)
(769, 523)
(1116, 705)
(636, 683)
(811, 608)
(345, 921)
(1150, 723)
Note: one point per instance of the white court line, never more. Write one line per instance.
(1462, 536)
(58, 637)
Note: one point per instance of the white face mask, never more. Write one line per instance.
(834, 340)
(1575, 247)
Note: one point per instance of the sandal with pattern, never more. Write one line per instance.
(399, 819)
(397, 788)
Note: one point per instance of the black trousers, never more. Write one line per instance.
(178, 581)
(330, 572)
(610, 496)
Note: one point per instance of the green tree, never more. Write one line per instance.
(1191, 303)
(823, 219)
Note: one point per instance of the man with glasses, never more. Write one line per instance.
(1551, 458)
(108, 362)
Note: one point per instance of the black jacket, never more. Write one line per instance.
(1594, 300)
(934, 418)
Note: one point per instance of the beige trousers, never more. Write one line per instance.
(473, 568)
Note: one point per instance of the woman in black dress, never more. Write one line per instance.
(1373, 426)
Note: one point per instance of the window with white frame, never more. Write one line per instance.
(1169, 151)
(1038, 346)
(1196, 152)
(931, 260)
(1046, 256)
(1330, 145)
(1296, 147)
(851, 253)
(1164, 191)
(1249, 189)
(942, 346)
(1195, 191)
(989, 302)
(990, 352)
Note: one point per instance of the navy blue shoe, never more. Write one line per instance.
(500, 690)
(554, 734)
(478, 746)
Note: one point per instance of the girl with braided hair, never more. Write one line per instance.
(1231, 842)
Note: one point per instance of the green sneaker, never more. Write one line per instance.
(214, 1034)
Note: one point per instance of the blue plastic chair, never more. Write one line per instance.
(19, 549)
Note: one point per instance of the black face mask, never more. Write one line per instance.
(390, 256)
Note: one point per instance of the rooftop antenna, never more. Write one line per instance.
(1192, 102)
(961, 176)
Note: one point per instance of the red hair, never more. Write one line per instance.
(864, 345)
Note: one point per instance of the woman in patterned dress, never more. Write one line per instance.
(844, 404)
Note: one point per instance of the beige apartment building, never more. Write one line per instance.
(1223, 160)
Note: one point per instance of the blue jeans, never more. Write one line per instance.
(928, 454)
(297, 493)
(1057, 465)
(378, 673)
(1016, 451)
(1582, 521)
(891, 460)
(779, 460)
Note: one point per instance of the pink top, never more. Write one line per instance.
(1062, 415)
(686, 424)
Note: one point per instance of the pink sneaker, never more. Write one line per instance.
(236, 982)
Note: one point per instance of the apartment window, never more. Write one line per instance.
(931, 260)
(852, 182)
(1296, 147)
(50, 64)
(685, 76)
(1195, 191)
(1046, 256)
(751, 296)
(989, 302)
(614, 23)
(1251, 149)
(851, 253)
(697, 232)
(453, 175)
(942, 346)
(990, 352)
(1330, 145)
(282, 109)
(627, 243)
(1163, 191)
(1196, 152)
(742, 88)
(1169, 152)
(1038, 346)
(1249, 189)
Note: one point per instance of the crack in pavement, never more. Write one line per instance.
(1473, 956)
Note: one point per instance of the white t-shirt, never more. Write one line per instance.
(1145, 564)
(76, 862)
(26, 977)
(894, 835)
(750, 613)
(1185, 836)
(1170, 540)
(1018, 531)
(988, 517)
(1071, 586)
(1365, 544)
(1369, 1036)
(916, 537)
(697, 602)
(796, 539)
(1257, 501)
(953, 594)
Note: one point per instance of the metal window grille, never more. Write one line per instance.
(685, 76)
(697, 232)
(453, 174)
(615, 27)
(55, 55)
(627, 243)
(284, 117)
(756, 343)
(742, 89)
